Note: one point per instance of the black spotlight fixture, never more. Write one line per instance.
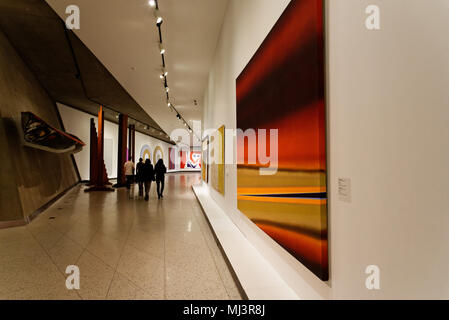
(159, 21)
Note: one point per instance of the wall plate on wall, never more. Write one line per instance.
(344, 189)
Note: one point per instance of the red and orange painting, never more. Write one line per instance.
(283, 88)
(171, 158)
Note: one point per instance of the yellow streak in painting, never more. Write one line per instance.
(282, 200)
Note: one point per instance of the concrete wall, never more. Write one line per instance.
(29, 178)
(388, 111)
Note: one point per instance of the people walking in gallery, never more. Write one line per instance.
(139, 176)
(148, 177)
(160, 171)
(129, 172)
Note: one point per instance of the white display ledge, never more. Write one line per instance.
(256, 275)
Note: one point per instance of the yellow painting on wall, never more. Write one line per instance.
(217, 156)
(204, 160)
(158, 154)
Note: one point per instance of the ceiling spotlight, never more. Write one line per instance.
(167, 89)
(152, 3)
(158, 16)
(165, 73)
(161, 76)
(190, 130)
(178, 116)
(162, 51)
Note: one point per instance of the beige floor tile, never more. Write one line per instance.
(122, 289)
(66, 252)
(28, 272)
(14, 234)
(95, 277)
(181, 219)
(144, 270)
(175, 245)
(106, 248)
(149, 220)
(148, 242)
(183, 285)
(149, 226)
(62, 223)
(193, 259)
(125, 249)
(25, 249)
(117, 222)
(227, 279)
(92, 219)
(189, 233)
(46, 236)
(82, 233)
(47, 291)
(234, 293)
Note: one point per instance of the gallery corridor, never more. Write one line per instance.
(125, 248)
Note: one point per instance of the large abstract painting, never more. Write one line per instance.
(217, 167)
(171, 158)
(145, 152)
(282, 88)
(158, 154)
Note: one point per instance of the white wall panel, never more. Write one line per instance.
(388, 129)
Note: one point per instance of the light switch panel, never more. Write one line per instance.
(344, 189)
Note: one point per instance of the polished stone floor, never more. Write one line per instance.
(125, 248)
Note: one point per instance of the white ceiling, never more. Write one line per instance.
(124, 37)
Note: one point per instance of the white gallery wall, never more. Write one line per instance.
(388, 129)
(144, 140)
(78, 123)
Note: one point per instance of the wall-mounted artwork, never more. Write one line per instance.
(38, 134)
(216, 156)
(183, 159)
(204, 161)
(158, 154)
(190, 159)
(145, 152)
(282, 87)
(171, 158)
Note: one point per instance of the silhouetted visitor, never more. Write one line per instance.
(129, 172)
(139, 176)
(148, 177)
(160, 171)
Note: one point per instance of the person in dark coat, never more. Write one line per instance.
(160, 171)
(148, 177)
(139, 176)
